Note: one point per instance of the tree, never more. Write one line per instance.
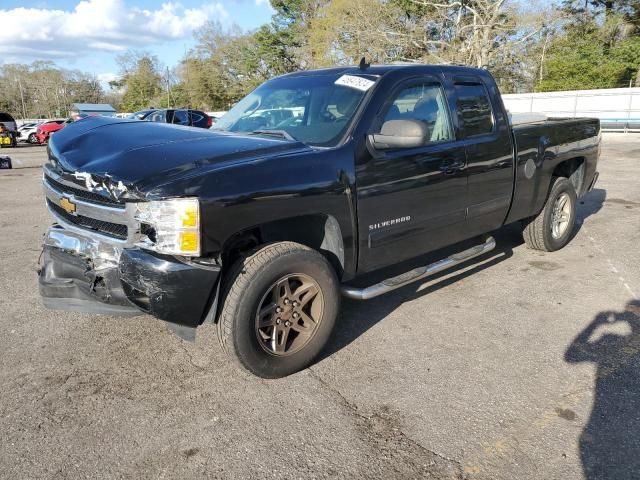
(290, 26)
(224, 65)
(587, 10)
(594, 57)
(141, 79)
(83, 88)
(557, 45)
(42, 90)
(483, 33)
(346, 30)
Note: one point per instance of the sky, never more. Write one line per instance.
(88, 35)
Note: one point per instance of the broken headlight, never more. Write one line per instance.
(171, 226)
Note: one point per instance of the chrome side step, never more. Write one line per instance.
(418, 273)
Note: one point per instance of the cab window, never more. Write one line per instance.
(426, 103)
(474, 109)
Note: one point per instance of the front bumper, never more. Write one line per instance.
(80, 273)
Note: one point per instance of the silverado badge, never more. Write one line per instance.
(68, 206)
(389, 223)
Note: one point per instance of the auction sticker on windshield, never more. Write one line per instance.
(359, 83)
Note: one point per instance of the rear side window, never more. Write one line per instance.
(474, 109)
(196, 117)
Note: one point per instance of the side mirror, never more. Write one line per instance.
(400, 134)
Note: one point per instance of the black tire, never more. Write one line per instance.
(32, 139)
(537, 231)
(249, 282)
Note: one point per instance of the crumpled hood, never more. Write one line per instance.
(127, 156)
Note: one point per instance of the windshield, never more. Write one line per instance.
(315, 110)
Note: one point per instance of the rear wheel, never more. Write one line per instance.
(551, 229)
(279, 309)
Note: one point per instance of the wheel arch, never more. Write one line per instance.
(571, 168)
(319, 231)
(574, 169)
(531, 192)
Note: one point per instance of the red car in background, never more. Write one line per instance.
(45, 130)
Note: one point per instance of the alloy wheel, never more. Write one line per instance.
(289, 314)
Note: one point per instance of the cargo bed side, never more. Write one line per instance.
(557, 146)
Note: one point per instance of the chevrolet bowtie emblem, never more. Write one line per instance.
(67, 205)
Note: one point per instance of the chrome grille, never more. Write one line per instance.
(96, 214)
(114, 230)
(83, 194)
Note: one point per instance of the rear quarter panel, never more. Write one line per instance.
(540, 148)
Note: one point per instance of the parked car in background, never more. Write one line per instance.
(215, 116)
(11, 128)
(8, 121)
(141, 114)
(183, 116)
(27, 132)
(44, 131)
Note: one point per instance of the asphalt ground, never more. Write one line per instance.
(524, 365)
(25, 155)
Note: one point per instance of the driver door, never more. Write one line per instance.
(412, 200)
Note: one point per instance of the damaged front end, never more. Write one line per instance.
(101, 257)
(80, 273)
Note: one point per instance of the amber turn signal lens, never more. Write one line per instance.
(189, 242)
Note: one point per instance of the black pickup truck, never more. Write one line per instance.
(308, 187)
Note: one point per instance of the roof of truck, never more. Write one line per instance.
(380, 70)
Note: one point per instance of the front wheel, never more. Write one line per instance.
(32, 139)
(551, 229)
(279, 310)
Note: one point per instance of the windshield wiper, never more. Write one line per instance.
(276, 133)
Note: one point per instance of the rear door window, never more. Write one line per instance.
(196, 117)
(181, 117)
(474, 109)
